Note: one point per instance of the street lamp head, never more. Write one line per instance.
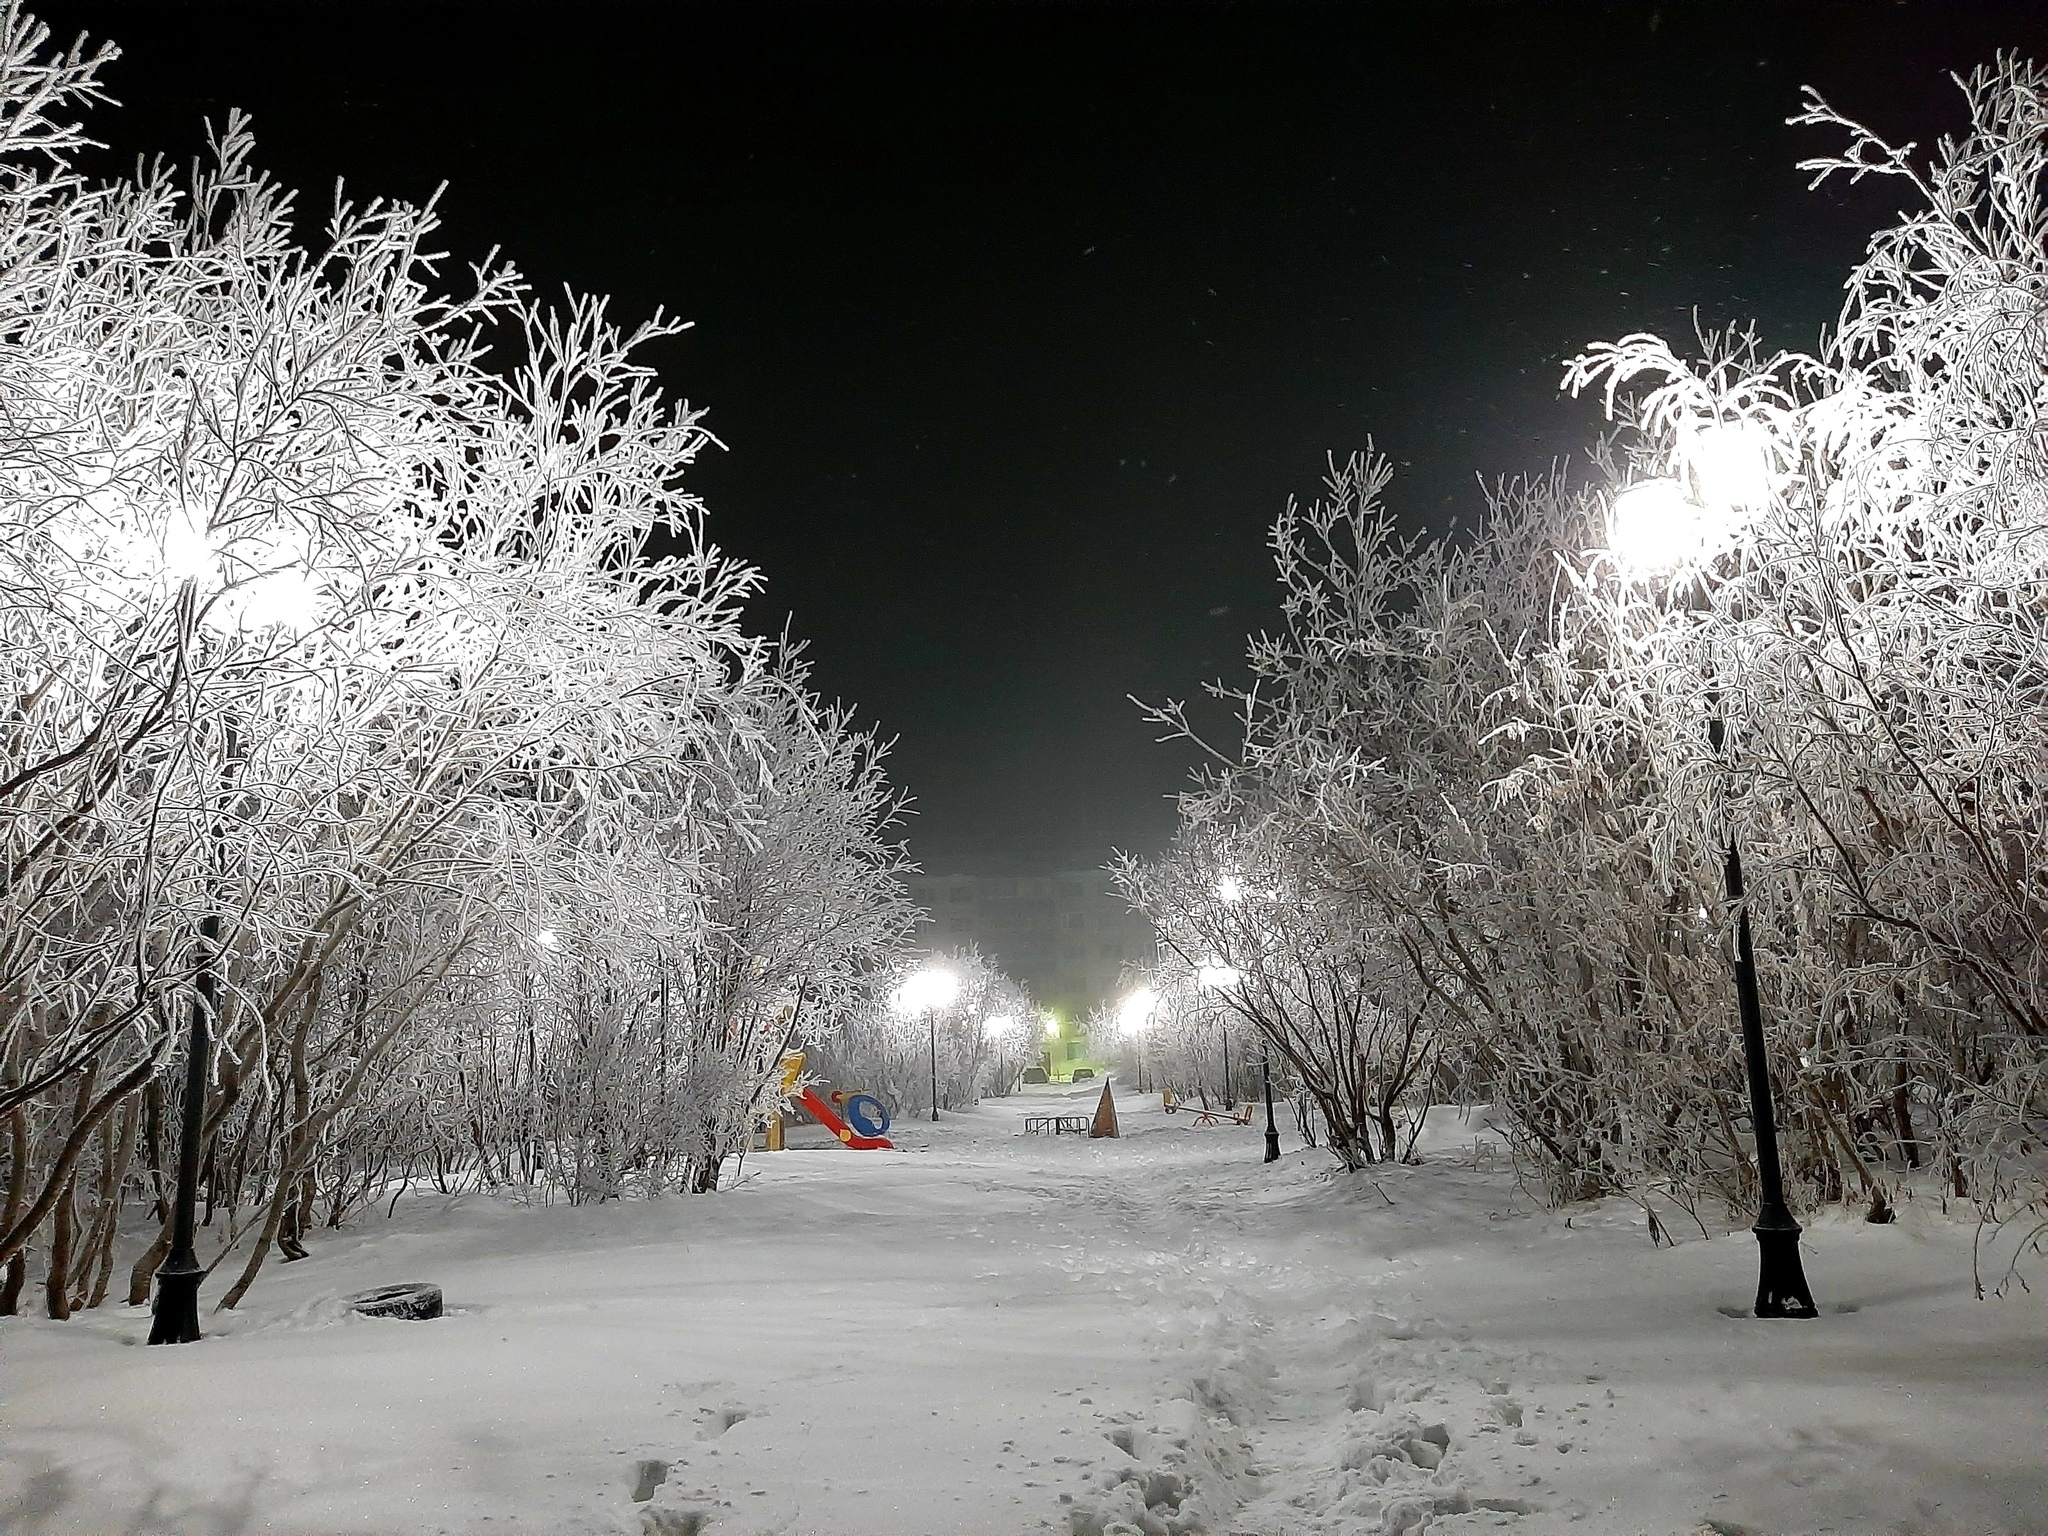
(1654, 528)
(251, 582)
(1135, 1012)
(1215, 976)
(999, 1027)
(1724, 472)
(1731, 463)
(545, 939)
(1052, 1026)
(1230, 889)
(925, 991)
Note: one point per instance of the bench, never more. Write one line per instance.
(1039, 1125)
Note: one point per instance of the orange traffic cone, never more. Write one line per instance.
(1105, 1115)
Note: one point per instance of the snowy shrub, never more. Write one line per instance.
(357, 720)
(1488, 782)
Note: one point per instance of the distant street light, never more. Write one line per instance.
(999, 1029)
(1133, 1017)
(1135, 1012)
(1656, 527)
(927, 991)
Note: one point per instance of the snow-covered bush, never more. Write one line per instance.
(355, 721)
(1503, 769)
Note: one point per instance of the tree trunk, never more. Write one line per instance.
(17, 1196)
(17, 1236)
(145, 1269)
(124, 1147)
(279, 1202)
(152, 1146)
(57, 1284)
(1902, 1117)
(291, 1240)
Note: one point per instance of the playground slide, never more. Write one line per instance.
(823, 1113)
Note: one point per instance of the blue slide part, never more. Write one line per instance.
(867, 1114)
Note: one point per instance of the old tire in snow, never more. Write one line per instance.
(412, 1302)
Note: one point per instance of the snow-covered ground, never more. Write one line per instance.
(987, 1332)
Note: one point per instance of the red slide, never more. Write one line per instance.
(822, 1112)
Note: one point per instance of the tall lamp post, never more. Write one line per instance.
(174, 1314)
(1657, 526)
(174, 1317)
(927, 992)
(998, 1030)
(284, 597)
(1266, 1086)
(1215, 976)
(1133, 1019)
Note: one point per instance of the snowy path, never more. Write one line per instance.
(985, 1332)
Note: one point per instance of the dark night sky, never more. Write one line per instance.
(1020, 323)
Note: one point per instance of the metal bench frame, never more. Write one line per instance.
(1038, 1125)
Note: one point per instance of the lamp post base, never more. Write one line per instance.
(1780, 1277)
(175, 1317)
(1272, 1130)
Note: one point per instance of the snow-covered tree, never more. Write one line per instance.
(1513, 758)
(341, 675)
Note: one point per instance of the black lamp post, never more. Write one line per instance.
(931, 1017)
(1650, 524)
(1266, 1083)
(1781, 1289)
(174, 1318)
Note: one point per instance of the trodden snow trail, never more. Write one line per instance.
(986, 1332)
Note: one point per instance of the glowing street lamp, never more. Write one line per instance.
(1655, 528)
(1135, 1012)
(1133, 1018)
(927, 992)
